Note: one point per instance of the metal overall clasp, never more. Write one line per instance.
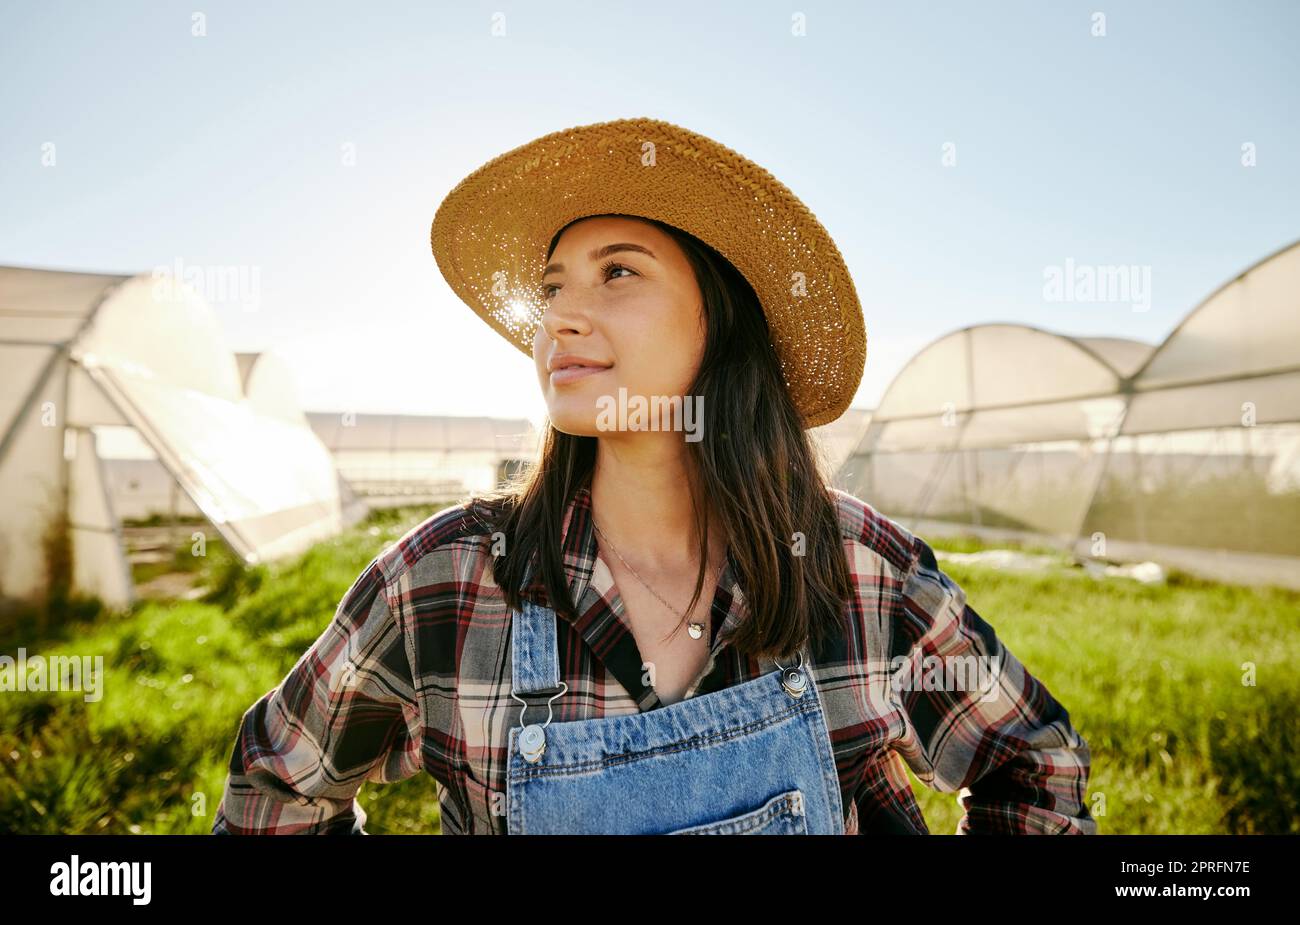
(532, 738)
(793, 679)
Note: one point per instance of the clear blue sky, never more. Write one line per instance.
(226, 149)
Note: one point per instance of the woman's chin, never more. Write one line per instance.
(575, 422)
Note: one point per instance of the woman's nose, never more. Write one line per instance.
(565, 315)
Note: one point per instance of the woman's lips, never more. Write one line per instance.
(574, 373)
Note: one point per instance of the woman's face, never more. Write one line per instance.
(621, 296)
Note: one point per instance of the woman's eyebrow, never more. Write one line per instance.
(604, 252)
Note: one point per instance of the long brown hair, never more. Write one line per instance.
(755, 464)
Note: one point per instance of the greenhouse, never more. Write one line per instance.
(83, 354)
(395, 459)
(1185, 453)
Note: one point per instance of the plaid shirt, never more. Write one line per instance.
(413, 673)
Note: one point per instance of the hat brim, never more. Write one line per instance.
(491, 232)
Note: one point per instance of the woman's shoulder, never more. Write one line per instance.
(450, 532)
(880, 535)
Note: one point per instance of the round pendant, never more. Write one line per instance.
(532, 742)
(695, 629)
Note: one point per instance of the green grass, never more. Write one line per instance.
(1151, 676)
(151, 756)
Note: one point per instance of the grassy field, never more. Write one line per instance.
(1151, 675)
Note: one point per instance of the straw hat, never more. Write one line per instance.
(490, 236)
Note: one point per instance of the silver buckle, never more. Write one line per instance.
(793, 679)
(532, 738)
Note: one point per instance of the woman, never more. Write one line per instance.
(530, 649)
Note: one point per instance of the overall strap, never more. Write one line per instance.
(535, 661)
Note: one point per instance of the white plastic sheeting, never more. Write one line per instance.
(949, 438)
(81, 350)
(40, 313)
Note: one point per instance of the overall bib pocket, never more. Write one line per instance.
(781, 815)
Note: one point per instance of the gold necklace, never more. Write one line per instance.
(694, 628)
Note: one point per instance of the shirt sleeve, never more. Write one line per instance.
(998, 737)
(346, 713)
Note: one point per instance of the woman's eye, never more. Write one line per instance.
(547, 290)
(610, 267)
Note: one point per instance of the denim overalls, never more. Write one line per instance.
(754, 758)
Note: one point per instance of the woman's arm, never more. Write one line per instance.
(1005, 743)
(345, 713)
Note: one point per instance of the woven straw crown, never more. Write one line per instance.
(491, 232)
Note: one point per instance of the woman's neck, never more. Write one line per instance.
(640, 497)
